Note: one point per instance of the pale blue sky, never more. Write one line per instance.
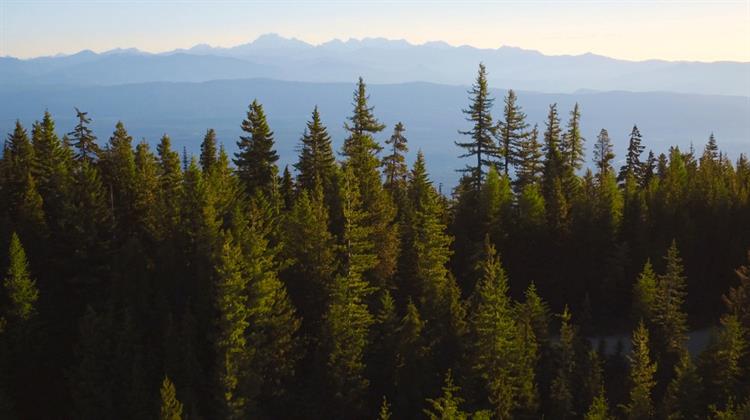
(673, 30)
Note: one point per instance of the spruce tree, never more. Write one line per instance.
(498, 356)
(256, 158)
(146, 194)
(118, 173)
(361, 150)
(721, 364)
(395, 164)
(599, 409)
(633, 166)
(448, 405)
(645, 294)
(20, 289)
(84, 140)
(316, 164)
(208, 150)
(511, 132)
(603, 154)
(669, 315)
(348, 320)
(561, 389)
(481, 145)
(232, 349)
(529, 165)
(553, 174)
(170, 182)
(571, 146)
(642, 370)
(286, 188)
(683, 399)
(171, 407)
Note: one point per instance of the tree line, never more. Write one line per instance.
(145, 284)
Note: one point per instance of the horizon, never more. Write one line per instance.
(628, 30)
(125, 49)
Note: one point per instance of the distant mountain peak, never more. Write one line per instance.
(274, 40)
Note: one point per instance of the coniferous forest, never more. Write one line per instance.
(145, 283)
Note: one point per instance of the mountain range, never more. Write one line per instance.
(379, 61)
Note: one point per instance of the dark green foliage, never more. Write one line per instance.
(256, 158)
(152, 286)
(481, 145)
(83, 139)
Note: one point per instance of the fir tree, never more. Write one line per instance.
(633, 166)
(511, 131)
(146, 194)
(669, 315)
(553, 173)
(118, 163)
(599, 409)
(83, 139)
(722, 362)
(571, 146)
(642, 372)
(529, 165)
(684, 393)
(171, 407)
(561, 390)
(316, 164)
(20, 288)
(448, 405)
(394, 164)
(348, 319)
(286, 188)
(498, 358)
(481, 145)
(256, 158)
(170, 182)
(603, 155)
(385, 410)
(232, 348)
(208, 150)
(645, 294)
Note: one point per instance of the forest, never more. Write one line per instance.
(154, 284)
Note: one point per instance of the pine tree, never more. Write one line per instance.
(395, 164)
(118, 173)
(256, 158)
(170, 182)
(348, 319)
(571, 147)
(603, 154)
(208, 150)
(645, 294)
(553, 174)
(146, 194)
(171, 407)
(669, 315)
(311, 248)
(481, 144)
(317, 164)
(232, 348)
(599, 409)
(721, 364)
(360, 150)
(529, 165)
(642, 373)
(20, 288)
(51, 169)
(561, 390)
(685, 392)
(498, 358)
(83, 139)
(448, 405)
(633, 166)
(511, 131)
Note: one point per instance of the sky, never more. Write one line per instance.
(709, 30)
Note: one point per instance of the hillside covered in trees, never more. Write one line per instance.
(143, 284)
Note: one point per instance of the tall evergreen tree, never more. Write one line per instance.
(20, 289)
(511, 131)
(171, 407)
(395, 164)
(642, 370)
(448, 405)
(232, 348)
(633, 166)
(553, 173)
(481, 145)
(118, 173)
(571, 146)
(256, 158)
(208, 150)
(561, 390)
(529, 165)
(84, 140)
(317, 164)
(170, 182)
